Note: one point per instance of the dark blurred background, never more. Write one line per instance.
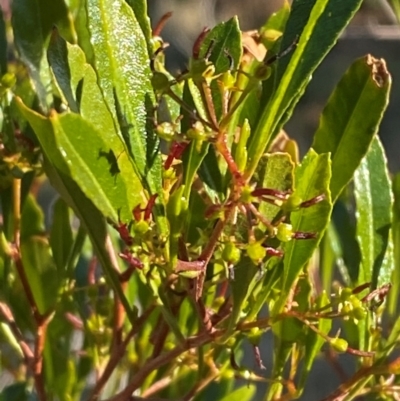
(373, 30)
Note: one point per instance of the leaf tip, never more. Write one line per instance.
(379, 71)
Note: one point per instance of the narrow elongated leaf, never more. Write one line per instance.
(372, 191)
(139, 7)
(394, 293)
(61, 235)
(29, 41)
(123, 68)
(311, 179)
(319, 22)
(352, 117)
(41, 272)
(57, 55)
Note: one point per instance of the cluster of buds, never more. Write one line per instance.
(135, 229)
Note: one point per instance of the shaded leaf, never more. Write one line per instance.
(61, 235)
(41, 272)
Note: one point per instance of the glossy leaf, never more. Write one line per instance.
(139, 7)
(373, 195)
(122, 64)
(319, 32)
(352, 117)
(312, 178)
(78, 149)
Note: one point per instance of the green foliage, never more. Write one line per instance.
(183, 211)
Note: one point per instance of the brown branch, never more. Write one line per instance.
(117, 354)
(157, 386)
(161, 360)
(35, 363)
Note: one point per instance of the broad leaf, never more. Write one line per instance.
(352, 117)
(75, 147)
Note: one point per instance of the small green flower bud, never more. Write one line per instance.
(140, 228)
(256, 252)
(231, 253)
(339, 344)
(166, 131)
(8, 80)
(284, 232)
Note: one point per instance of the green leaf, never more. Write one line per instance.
(320, 23)
(313, 343)
(79, 150)
(394, 292)
(373, 195)
(242, 286)
(123, 69)
(95, 224)
(225, 55)
(57, 56)
(29, 40)
(41, 272)
(122, 64)
(15, 392)
(312, 179)
(277, 172)
(32, 219)
(245, 393)
(227, 41)
(139, 7)
(61, 235)
(351, 118)
(396, 8)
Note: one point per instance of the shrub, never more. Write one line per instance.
(185, 224)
